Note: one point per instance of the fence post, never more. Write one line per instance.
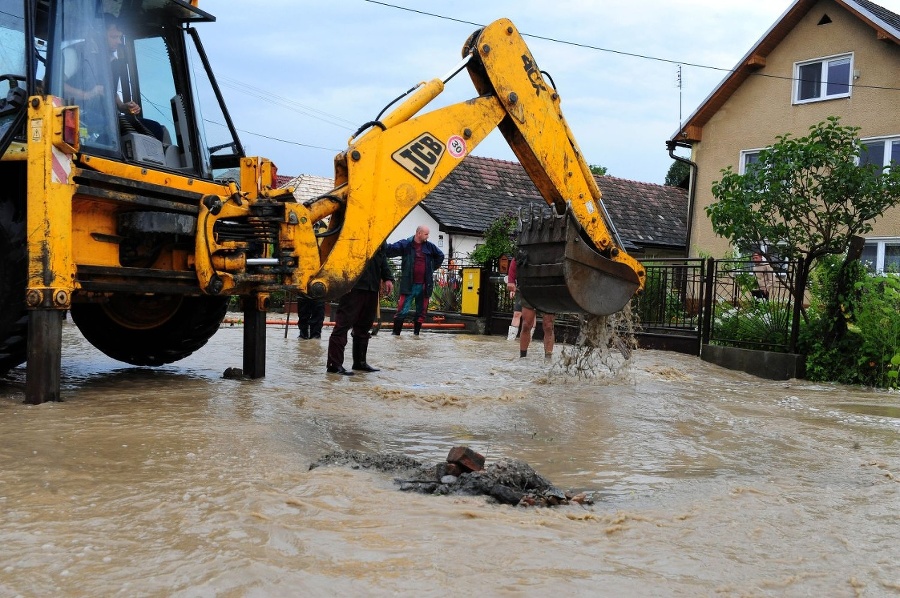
(488, 297)
(707, 307)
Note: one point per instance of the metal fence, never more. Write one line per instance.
(670, 306)
(750, 306)
(672, 297)
(721, 302)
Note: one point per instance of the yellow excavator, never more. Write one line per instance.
(124, 206)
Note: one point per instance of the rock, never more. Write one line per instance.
(233, 373)
(442, 469)
(582, 498)
(505, 494)
(454, 469)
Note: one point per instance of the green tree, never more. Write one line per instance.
(679, 175)
(499, 240)
(598, 170)
(806, 197)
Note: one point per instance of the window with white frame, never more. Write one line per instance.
(880, 151)
(823, 79)
(748, 157)
(882, 254)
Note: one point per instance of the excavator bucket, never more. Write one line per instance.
(559, 271)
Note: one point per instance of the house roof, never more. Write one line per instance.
(234, 174)
(645, 213)
(881, 19)
(308, 186)
(481, 190)
(886, 25)
(281, 180)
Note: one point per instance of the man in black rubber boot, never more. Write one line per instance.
(417, 327)
(356, 310)
(360, 346)
(398, 326)
(310, 317)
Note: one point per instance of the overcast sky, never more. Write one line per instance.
(299, 76)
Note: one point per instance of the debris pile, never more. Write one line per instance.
(507, 481)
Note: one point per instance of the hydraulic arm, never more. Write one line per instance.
(399, 160)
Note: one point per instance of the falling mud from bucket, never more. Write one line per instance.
(603, 349)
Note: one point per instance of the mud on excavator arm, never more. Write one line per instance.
(399, 160)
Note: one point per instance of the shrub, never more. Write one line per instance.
(878, 320)
(765, 324)
(447, 293)
(498, 241)
(658, 304)
(869, 353)
(842, 362)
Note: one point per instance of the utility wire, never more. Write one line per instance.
(287, 103)
(346, 124)
(329, 149)
(609, 50)
(549, 39)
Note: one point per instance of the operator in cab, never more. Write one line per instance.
(91, 77)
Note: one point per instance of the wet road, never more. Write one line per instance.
(178, 482)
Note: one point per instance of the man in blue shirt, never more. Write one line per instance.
(421, 258)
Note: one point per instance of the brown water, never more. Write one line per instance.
(177, 482)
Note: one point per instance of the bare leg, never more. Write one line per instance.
(528, 317)
(547, 320)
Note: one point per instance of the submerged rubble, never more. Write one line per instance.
(506, 481)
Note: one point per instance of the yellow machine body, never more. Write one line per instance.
(145, 244)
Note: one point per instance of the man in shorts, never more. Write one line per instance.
(529, 315)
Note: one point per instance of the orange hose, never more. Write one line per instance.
(425, 326)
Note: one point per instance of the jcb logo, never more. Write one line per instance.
(420, 156)
(534, 74)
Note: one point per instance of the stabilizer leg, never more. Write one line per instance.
(44, 356)
(254, 338)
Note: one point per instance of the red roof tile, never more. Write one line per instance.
(481, 190)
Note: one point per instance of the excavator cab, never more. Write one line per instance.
(12, 73)
(106, 57)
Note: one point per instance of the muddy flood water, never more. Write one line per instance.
(178, 482)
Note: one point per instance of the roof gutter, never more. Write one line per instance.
(671, 144)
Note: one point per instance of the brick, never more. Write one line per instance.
(466, 458)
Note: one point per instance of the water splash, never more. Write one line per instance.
(604, 347)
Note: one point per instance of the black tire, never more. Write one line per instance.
(150, 330)
(13, 270)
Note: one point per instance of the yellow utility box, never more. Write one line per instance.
(471, 286)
